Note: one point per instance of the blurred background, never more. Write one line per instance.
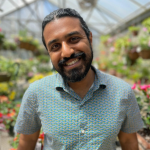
(121, 45)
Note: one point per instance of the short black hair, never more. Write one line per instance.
(64, 12)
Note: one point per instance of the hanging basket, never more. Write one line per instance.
(135, 33)
(145, 54)
(4, 77)
(133, 55)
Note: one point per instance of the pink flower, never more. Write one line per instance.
(0, 29)
(144, 29)
(110, 40)
(112, 49)
(144, 87)
(134, 86)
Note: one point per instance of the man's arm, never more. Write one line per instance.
(128, 141)
(28, 142)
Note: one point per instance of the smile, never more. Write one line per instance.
(72, 62)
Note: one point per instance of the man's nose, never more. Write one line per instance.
(67, 51)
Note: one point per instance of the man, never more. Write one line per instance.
(80, 108)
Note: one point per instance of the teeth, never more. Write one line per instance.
(71, 63)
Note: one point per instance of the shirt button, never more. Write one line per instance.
(82, 131)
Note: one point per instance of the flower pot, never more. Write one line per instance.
(145, 54)
(11, 131)
(143, 142)
(4, 77)
(133, 55)
(135, 33)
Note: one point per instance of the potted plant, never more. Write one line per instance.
(134, 30)
(131, 49)
(145, 47)
(1, 39)
(143, 98)
(104, 39)
(10, 111)
(146, 24)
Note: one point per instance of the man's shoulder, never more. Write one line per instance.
(46, 81)
(113, 81)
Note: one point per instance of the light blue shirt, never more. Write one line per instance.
(72, 123)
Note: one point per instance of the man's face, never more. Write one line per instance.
(69, 48)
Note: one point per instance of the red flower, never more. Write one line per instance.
(18, 105)
(41, 136)
(1, 115)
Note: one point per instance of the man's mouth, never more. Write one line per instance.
(72, 62)
(66, 61)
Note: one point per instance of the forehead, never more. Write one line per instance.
(61, 26)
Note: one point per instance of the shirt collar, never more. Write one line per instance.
(100, 80)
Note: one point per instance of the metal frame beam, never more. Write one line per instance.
(105, 19)
(136, 20)
(109, 13)
(138, 4)
(26, 4)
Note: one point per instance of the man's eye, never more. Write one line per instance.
(55, 47)
(74, 39)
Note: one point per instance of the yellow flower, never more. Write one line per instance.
(12, 95)
(4, 87)
(36, 77)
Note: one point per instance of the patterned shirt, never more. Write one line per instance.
(72, 123)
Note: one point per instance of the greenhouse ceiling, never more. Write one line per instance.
(102, 16)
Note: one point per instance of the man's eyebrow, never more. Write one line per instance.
(68, 35)
(73, 33)
(52, 41)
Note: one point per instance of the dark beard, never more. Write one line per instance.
(76, 74)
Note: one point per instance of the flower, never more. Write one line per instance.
(0, 29)
(1, 115)
(15, 138)
(12, 95)
(144, 29)
(112, 49)
(134, 86)
(11, 114)
(41, 136)
(144, 87)
(3, 98)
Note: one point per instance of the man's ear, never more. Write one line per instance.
(90, 38)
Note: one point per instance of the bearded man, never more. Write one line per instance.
(80, 107)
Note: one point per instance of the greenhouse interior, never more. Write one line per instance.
(121, 48)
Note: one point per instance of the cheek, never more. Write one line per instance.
(55, 58)
(84, 46)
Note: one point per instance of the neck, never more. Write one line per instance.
(82, 87)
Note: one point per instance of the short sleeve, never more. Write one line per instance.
(28, 121)
(133, 121)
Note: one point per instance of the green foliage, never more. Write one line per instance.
(44, 58)
(9, 112)
(133, 28)
(104, 38)
(144, 42)
(2, 37)
(146, 23)
(9, 45)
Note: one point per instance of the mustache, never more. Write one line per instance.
(62, 62)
